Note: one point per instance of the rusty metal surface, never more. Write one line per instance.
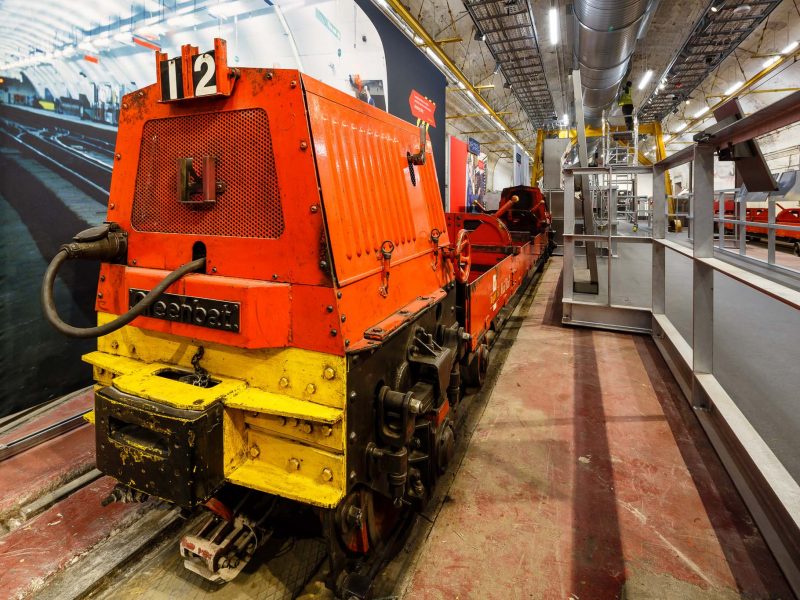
(278, 571)
(594, 481)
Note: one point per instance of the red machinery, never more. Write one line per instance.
(284, 310)
(786, 216)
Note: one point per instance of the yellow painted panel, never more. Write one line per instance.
(89, 416)
(256, 400)
(292, 470)
(330, 437)
(301, 374)
(144, 383)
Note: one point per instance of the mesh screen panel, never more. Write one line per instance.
(240, 140)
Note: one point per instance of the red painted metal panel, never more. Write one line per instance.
(458, 175)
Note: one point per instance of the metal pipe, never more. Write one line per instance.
(606, 34)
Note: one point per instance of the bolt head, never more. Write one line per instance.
(311, 388)
(254, 451)
(414, 406)
(283, 382)
(314, 208)
(303, 145)
(306, 427)
(327, 474)
(293, 465)
(328, 373)
(327, 430)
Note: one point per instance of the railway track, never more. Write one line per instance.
(83, 161)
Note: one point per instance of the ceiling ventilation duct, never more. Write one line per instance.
(606, 35)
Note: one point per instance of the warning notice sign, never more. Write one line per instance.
(422, 108)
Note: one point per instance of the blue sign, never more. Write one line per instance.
(474, 146)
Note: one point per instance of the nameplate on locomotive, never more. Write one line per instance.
(204, 312)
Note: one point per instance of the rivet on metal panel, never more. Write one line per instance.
(124, 105)
(213, 269)
(283, 382)
(333, 332)
(293, 84)
(323, 264)
(311, 388)
(339, 295)
(352, 475)
(99, 294)
(353, 395)
(102, 277)
(329, 308)
(314, 208)
(133, 262)
(269, 74)
(344, 318)
(353, 436)
(140, 94)
(118, 156)
(274, 275)
(328, 373)
(112, 206)
(303, 145)
(347, 342)
(327, 474)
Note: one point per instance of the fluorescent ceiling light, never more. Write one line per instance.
(151, 31)
(734, 87)
(554, 26)
(771, 61)
(680, 128)
(565, 118)
(646, 78)
(229, 9)
(700, 113)
(182, 21)
(123, 37)
(790, 47)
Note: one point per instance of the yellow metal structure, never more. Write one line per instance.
(284, 408)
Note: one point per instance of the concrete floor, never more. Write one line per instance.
(588, 477)
(755, 337)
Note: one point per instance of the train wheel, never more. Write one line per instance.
(363, 533)
(476, 371)
(364, 520)
(463, 257)
(796, 249)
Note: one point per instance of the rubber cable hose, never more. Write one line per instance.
(51, 313)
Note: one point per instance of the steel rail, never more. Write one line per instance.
(45, 434)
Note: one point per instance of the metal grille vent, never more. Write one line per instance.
(240, 140)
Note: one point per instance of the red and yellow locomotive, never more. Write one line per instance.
(284, 306)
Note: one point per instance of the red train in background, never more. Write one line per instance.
(785, 216)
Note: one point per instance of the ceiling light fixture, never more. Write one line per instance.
(680, 128)
(714, 9)
(700, 113)
(734, 87)
(479, 36)
(790, 47)
(770, 61)
(646, 78)
(554, 26)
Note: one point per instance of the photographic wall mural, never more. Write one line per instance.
(59, 107)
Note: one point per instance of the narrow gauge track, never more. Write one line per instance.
(84, 162)
(139, 553)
